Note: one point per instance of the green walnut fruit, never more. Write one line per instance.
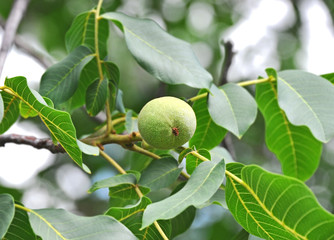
(166, 122)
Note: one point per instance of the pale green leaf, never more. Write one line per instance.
(128, 178)
(201, 186)
(169, 59)
(60, 81)
(54, 224)
(296, 148)
(232, 108)
(88, 149)
(273, 206)
(131, 217)
(82, 32)
(26, 111)
(7, 212)
(10, 111)
(160, 173)
(58, 122)
(307, 100)
(208, 134)
(96, 96)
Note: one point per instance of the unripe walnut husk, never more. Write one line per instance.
(166, 122)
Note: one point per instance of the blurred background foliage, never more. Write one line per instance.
(207, 25)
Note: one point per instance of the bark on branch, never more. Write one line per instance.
(39, 143)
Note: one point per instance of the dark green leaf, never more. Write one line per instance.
(7, 212)
(169, 59)
(183, 221)
(201, 186)
(160, 173)
(58, 224)
(131, 217)
(112, 72)
(273, 206)
(208, 134)
(60, 81)
(82, 32)
(290, 143)
(232, 108)
(58, 122)
(307, 100)
(20, 228)
(184, 153)
(96, 96)
(329, 77)
(88, 74)
(192, 161)
(10, 111)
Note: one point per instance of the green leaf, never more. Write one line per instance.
(20, 227)
(169, 59)
(232, 108)
(127, 191)
(58, 122)
(88, 74)
(60, 81)
(290, 143)
(7, 212)
(202, 184)
(127, 178)
(82, 32)
(131, 125)
(192, 162)
(26, 111)
(217, 198)
(183, 221)
(58, 224)
(329, 77)
(307, 100)
(273, 206)
(9, 113)
(184, 153)
(208, 134)
(131, 217)
(96, 96)
(160, 173)
(112, 72)
(88, 149)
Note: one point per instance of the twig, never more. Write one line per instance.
(38, 143)
(42, 58)
(229, 54)
(12, 24)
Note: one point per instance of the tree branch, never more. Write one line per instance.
(12, 24)
(229, 54)
(38, 143)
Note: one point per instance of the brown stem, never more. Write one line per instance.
(39, 143)
(13, 21)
